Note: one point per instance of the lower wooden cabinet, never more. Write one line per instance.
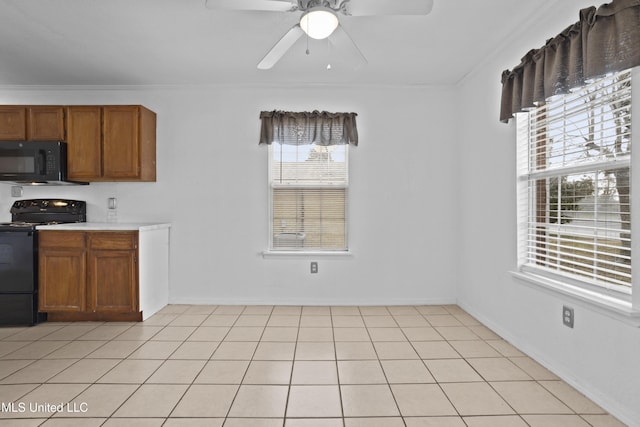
(90, 275)
(62, 272)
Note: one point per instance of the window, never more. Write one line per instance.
(308, 189)
(574, 167)
(308, 179)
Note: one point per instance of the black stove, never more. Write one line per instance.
(9, 226)
(19, 254)
(48, 211)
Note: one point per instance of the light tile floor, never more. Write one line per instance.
(263, 366)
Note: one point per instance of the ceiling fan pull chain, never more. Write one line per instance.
(307, 34)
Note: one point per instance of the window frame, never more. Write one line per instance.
(624, 306)
(272, 251)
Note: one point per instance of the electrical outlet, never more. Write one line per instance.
(314, 267)
(16, 191)
(112, 209)
(567, 316)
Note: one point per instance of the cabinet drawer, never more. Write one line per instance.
(61, 239)
(113, 240)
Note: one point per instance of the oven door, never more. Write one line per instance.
(18, 262)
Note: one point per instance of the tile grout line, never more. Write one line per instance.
(335, 355)
(384, 373)
(293, 364)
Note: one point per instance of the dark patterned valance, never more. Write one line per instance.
(604, 40)
(317, 127)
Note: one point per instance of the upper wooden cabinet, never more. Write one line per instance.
(104, 142)
(31, 123)
(13, 123)
(129, 143)
(111, 143)
(84, 143)
(45, 123)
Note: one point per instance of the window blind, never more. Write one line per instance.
(308, 185)
(574, 160)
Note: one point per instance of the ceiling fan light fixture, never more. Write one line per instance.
(319, 22)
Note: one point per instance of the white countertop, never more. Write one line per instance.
(106, 226)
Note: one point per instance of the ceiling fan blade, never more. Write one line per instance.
(343, 41)
(251, 5)
(280, 48)
(387, 7)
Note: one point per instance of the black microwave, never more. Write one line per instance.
(34, 163)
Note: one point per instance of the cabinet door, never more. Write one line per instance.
(112, 281)
(13, 123)
(121, 147)
(62, 279)
(113, 271)
(45, 123)
(84, 140)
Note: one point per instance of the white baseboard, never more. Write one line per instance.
(624, 414)
(313, 301)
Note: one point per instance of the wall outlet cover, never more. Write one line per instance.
(567, 316)
(16, 191)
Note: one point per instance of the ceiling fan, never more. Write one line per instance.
(319, 19)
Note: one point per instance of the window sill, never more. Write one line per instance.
(603, 304)
(301, 254)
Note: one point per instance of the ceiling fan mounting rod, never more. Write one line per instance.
(335, 5)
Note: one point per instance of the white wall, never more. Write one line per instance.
(600, 355)
(424, 153)
(212, 187)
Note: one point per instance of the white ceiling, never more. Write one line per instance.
(176, 42)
